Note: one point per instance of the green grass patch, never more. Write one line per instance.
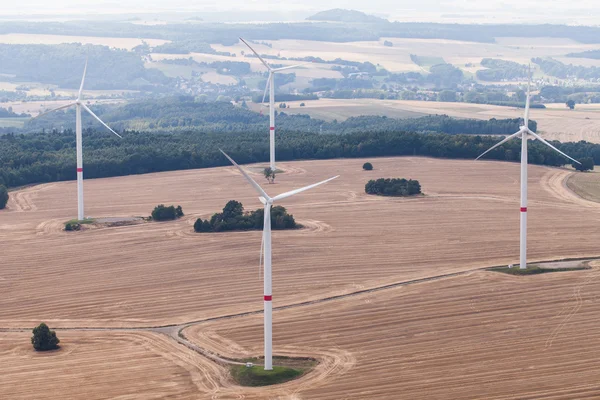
(257, 376)
(534, 270)
(82, 222)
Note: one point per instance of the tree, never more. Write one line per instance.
(3, 196)
(44, 339)
(269, 174)
(163, 213)
(368, 166)
(571, 104)
(447, 95)
(587, 164)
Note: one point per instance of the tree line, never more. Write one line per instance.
(49, 157)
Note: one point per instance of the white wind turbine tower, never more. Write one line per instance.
(271, 87)
(78, 106)
(524, 133)
(266, 244)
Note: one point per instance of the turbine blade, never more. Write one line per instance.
(99, 120)
(260, 262)
(267, 86)
(296, 191)
(54, 109)
(251, 181)
(506, 139)
(82, 79)
(259, 57)
(527, 102)
(290, 67)
(538, 137)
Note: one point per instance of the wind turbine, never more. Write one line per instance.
(78, 106)
(524, 133)
(271, 87)
(266, 244)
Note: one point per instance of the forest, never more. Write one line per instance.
(228, 34)
(50, 156)
(63, 65)
(498, 70)
(183, 113)
(558, 69)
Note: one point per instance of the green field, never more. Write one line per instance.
(12, 122)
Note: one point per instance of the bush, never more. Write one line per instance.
(163, 213)
(3, 196)
(393, 187)
(368, 166)
(72, 226)
(44, 339)
(587, 164)
(233, 218)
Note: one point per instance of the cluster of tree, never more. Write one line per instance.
(498, 70)
(72, 226)
(558, 69)
(8, 113)
(44, 339)
(233, 218)
(3, 196)
(593, 54)
(393, 187)
(62, 64)
(164, 213)
(579, 94)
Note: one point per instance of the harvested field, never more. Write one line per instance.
(586, 185)
(168, 274)
(484, 335)
(448, 335)
(556, 122)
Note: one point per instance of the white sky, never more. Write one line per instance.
(537, 11)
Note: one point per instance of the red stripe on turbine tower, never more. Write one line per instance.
(79, 169)
(523, 209)
(272, 128)
(268, 298)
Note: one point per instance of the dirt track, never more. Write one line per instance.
(158, 274)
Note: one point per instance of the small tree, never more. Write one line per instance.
(571, 104)
(587, 164)
(163, 213)
(368, 166)
(3, 196)
(44, 339)
(269, 174)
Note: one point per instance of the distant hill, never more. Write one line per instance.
(341, 15)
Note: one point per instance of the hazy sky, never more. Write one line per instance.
(537, 11)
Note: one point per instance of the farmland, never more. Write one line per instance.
(556, 122)
(448, 335)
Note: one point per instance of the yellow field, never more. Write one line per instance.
(556, 122)
(476, 333)
(117, 42)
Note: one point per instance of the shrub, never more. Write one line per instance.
(3, 196)
(368, 166)
(302, 104)
(44, 339)
(72, 226)
(393, 187)
(163, 213)
(269, 174)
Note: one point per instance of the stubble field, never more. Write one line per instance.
(422, 339)
(556, 122)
